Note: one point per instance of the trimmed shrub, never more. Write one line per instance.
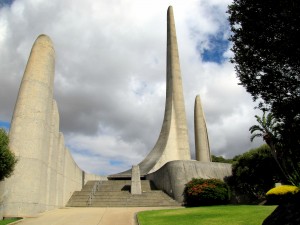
(281, 194)
(206, 192)
(283, 190)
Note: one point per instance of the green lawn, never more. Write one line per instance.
(4, 222)
(208, 215)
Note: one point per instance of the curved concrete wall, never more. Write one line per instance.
(173, 176)
(46, 174)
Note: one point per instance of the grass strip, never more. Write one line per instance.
(8, 221)
(208, 215)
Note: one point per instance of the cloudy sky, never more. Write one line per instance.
(111, 74)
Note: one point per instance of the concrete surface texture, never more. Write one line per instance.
(173, 176)
(88, 216)
(46, 175)
(173, 142)
(136, 186)
(116, 193)
(201, 134)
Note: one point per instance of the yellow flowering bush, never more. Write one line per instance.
(283, 190)
(281, 194)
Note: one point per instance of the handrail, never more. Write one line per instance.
(92, 194)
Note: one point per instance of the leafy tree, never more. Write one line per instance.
(265, 36)
(222, 159)
(268, 130)
(7, 158)
(254, 173)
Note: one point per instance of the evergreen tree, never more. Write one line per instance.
(265, 37)
(254, 173)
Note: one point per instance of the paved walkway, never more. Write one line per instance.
(88, 216)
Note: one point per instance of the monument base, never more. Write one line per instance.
(172, 177)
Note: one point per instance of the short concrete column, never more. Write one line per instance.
(136, 187)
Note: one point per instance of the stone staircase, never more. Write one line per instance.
(116, 193)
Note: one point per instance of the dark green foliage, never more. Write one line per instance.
(254, 173)
(7, 158)
(268, 129)
(265, 36)
(219, 159)
(286, 213)
(222, 159)
(206, 192)
(279, 199)
(281, 194)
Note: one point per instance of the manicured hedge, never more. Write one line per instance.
(206, 192)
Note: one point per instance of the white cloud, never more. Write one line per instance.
(110, 74)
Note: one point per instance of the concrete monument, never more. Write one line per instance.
(46, 175)
(173, 142)
(173, 173)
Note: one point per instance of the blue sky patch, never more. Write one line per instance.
(5, 125)
(115, 162)
(81, 151)
(6, 3)
(217, 47)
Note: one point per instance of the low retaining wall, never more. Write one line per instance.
(25, 195)
(173, 176)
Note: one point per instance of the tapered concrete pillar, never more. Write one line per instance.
(136, 185)
(173, 141)
(30, 133)
(201, 135)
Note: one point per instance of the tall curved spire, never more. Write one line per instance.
(201, 135)
(173, 141)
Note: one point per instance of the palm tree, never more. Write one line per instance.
(268, 129)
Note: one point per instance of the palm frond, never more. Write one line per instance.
(255, 135)
(267, 124)
(255, 128)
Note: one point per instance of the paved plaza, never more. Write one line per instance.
(88, 216)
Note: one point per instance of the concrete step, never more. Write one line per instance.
(136, 203)
(116, 193)
(82, 192)
(80, 198)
